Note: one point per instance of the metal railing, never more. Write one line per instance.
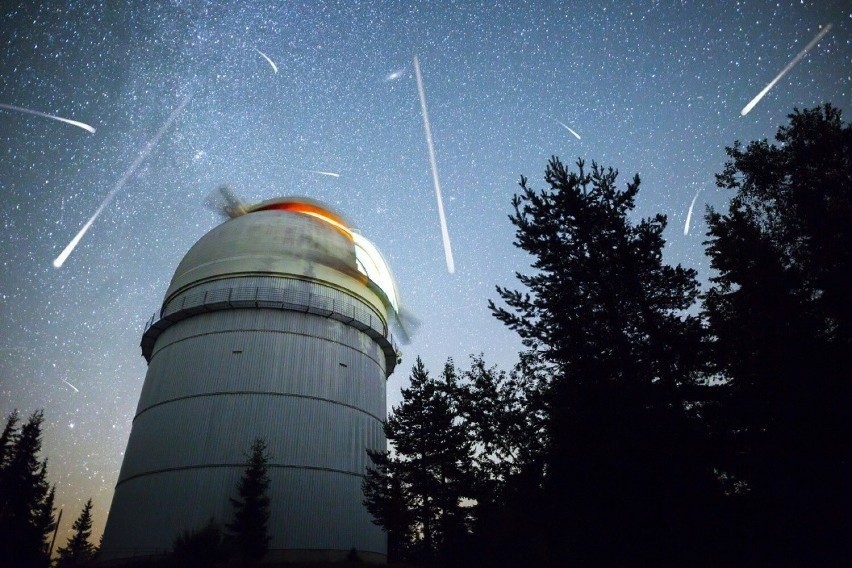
(237, 297)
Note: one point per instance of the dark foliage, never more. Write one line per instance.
(505, 420)
(390, 504)
(201, 548)
(8, 439)
(780, 313)
(26, 498)
(79, 551)
(416, 493)
(249, 528)
(633, 432)
(503, 415)
(626, 472)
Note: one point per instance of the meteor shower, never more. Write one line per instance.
(540, 283)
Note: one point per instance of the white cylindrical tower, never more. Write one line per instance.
(275, 325)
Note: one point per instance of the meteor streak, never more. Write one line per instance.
(761, 94)
(689, 213)
(568, 128)
(70, 385)
(322, 173)
(82, 125)
(448, 251)
(63, 256)
(274, 66)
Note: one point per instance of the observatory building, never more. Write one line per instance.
(274, 326)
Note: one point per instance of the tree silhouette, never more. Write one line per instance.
(780, 314)
(504, 416)
(390, 504)
(200, 548)
(79, 551)
(249, 528)
(427, 475)
(8, 439)
(627, 478)
(26, 498)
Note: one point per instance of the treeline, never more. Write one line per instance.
(28, 519)
(648, 422)
(27, 513)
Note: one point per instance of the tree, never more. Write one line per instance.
(504, 417)
(79, 551)
(389, 503)
(780, 315)
(418, 490)
(8, 439)
(249, 529)
(26, 498)
(201, 548)
(626, 477)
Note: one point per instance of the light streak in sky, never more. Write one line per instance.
(63, 256)
(322, 173)
(448, 251)
(568, 128)
(274, 66)
(761, 94)
(395, 75)
(70, 385)
(689, 213)
(76, 123)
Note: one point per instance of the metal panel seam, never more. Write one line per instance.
(242, 466)
(272, 393)
(175, 342)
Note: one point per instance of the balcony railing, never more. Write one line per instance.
(348, 312)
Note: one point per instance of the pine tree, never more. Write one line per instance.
(428, 470)
(249, 528)
(79, 551)
(781, 318)
(389, 503)
(504, 418)
(7, 440)
(26, 498)
(625, 476)
(201, 548)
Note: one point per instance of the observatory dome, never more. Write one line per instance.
(285, 239)
(291, 236)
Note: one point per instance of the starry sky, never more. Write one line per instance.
(649, 87)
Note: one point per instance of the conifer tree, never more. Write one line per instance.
(249, 528)
(389, 503)
(26, 498)
(781, 319)
(78, 551)
(200, 548)
(626, 476)
(503, 416)
(8, 439)
(428, 470)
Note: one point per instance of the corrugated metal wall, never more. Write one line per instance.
(314, 387)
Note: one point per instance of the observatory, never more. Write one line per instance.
(275, 325)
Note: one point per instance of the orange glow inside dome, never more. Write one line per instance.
(312, 210)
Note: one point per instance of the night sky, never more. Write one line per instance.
(650, 87)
